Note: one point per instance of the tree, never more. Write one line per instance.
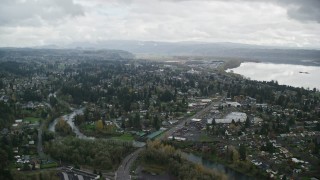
(147, 115)
(79, 119)
(136, 121)
(247, 123)
(156, 123)
(232, 154)
(213, 122)
(166, 96)
(291, 122)
(47, 135)
(123, 124)
(318, 126)
(112, 113)
(130, 122)
(242, 152)
(207, 128)
(268, 147)
(98, 154)
(99, 125)
(3, 159)
(63, 128)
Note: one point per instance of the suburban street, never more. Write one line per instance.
(123, 172)
(181, 124)
(39, 145)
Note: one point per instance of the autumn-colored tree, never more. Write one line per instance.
(99, 125)
(63, 128)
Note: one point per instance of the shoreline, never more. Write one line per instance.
(231, 64)
(222, 162)
(297, 76)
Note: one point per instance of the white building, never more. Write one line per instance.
(236, 116)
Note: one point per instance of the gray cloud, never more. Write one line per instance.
(36, 12)
(302, 10)
(264, 22)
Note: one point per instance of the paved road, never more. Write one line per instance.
(199, 114)
(39, 144)
(123, 172)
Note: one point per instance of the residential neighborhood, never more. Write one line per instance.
(54, 107)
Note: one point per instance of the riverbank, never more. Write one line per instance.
(162, 160)
(230, 64)
(211, 159)
(242, 170)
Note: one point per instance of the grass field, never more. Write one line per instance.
(49, 165)
(88, 127)
(36, 175)
(154, 168)
(124, 137)
(205, 138)
(32, 120)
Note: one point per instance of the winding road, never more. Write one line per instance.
(123, 172)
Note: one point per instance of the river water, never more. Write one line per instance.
(69, 118)
(287, 74)
(232, 175)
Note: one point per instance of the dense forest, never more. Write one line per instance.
(100, 154)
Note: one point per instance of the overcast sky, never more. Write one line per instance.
(294, 23)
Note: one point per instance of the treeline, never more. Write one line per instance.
(6, 114)
(40, 175)
(167, 157)
(275, 94)
(99, 154)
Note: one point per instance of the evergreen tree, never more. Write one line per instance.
(242, 152)
(247, 123)
(123, 125)
(136, 121)
(156, 123)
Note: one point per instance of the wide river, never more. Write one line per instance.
(287, 74)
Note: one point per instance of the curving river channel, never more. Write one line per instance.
(232, 174)
(69, 118)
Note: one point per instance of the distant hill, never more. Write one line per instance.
(31, 52)
(225, 50)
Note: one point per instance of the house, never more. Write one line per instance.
(206, 100)
(195, 120)
(177, 138)
(295, 160)
(233, 104)
(18, 121)
(173, 121)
